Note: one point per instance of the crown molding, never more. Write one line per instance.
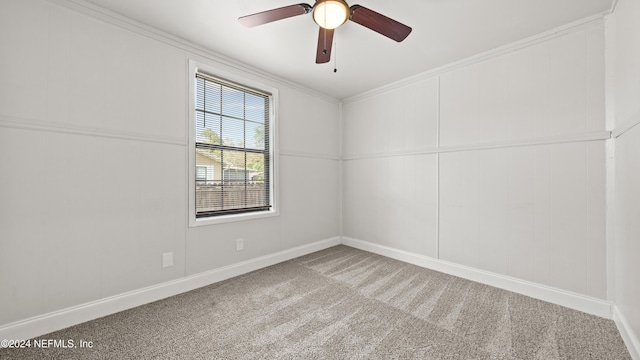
(612, 9)
(123, 22)
(573, 27)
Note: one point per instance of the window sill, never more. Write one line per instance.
(232, 218)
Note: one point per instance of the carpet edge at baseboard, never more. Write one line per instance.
(580, 302)
(626, 332)
(60, 319)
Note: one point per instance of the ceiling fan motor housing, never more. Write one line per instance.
(330, 14)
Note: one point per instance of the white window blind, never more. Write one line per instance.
(232, 139)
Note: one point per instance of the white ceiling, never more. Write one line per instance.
(443, 31)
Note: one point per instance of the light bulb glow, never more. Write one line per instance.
(330, 14)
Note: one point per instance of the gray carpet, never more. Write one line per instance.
(342, 303)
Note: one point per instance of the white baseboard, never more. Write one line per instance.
(628, 335)
(53, 321)
(561, 297)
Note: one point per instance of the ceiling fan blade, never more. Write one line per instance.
(275, 15)
(379, 23)
(325, 40)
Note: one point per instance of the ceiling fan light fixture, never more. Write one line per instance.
(330, 14)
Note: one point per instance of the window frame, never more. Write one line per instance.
(194, 68)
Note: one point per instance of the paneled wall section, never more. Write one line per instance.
(625, 58)
(498, 165)
(93, 167)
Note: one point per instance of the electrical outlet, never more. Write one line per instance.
(239, 244)
(167, 259)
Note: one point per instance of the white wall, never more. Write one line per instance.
(392, 200)
(93, 167)
(498, 165)
(625, 62)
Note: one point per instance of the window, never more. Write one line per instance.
(232, 148)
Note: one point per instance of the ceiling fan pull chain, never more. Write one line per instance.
(335, 56)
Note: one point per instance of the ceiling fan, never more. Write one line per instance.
(330, 14)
